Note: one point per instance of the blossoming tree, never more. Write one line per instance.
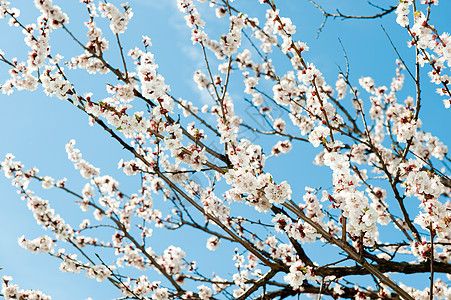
(197, 167)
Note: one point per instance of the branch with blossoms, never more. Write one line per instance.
(218, 185)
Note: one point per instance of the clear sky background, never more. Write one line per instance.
(36, 128)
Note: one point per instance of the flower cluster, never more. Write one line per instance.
(402, 12)
(172, 260)
(247, 178)
(118, 20)
(232, 40)
(298, 274)
(51, 13)
(86, 169)
(353, 203)
(12, 291)
(39, 245)
(169, 148)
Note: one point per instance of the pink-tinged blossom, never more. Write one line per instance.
(281, 147)
(279, 125)
(212, 243)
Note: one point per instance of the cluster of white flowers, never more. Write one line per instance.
(5, 10)
(426, 187)
(95, 46)
(122, 93)
(217, 285)
(425, 36)
(214, 205)
(402, 12)
(398, 81)
(201, 79)
(71, 264)
(132, 257)
(40, 47)
(300, 230)
(434, 147)
(240, 278)
(152, 84)
(14, 170)
(204, 292)
(441, 291)
(341, 87)
(355, 206)
(41, 209)
(278, 25)
(247, 178)
(406, 126)
(227, 124)
(160, 294)
(250, 84)
(46, 216)
(298, 274)
(232, 40)
(172, 260)
(319, 135)
(188, 108)
(39, 245)
(12, 291)
(99, 272)
(51, 13)
(193, 155)
(118, 20)
(310, 74)
(22, 77)
(141, 287)
(86, 169)
(193, 17)
(55, 84)
(378, 196)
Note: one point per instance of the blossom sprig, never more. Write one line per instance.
(71, 264)
(53, 13)
(232, 40)
(118, 20)
(424, 37)
(167, 155)
(13, 291)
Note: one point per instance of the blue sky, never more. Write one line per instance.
(36, 128)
